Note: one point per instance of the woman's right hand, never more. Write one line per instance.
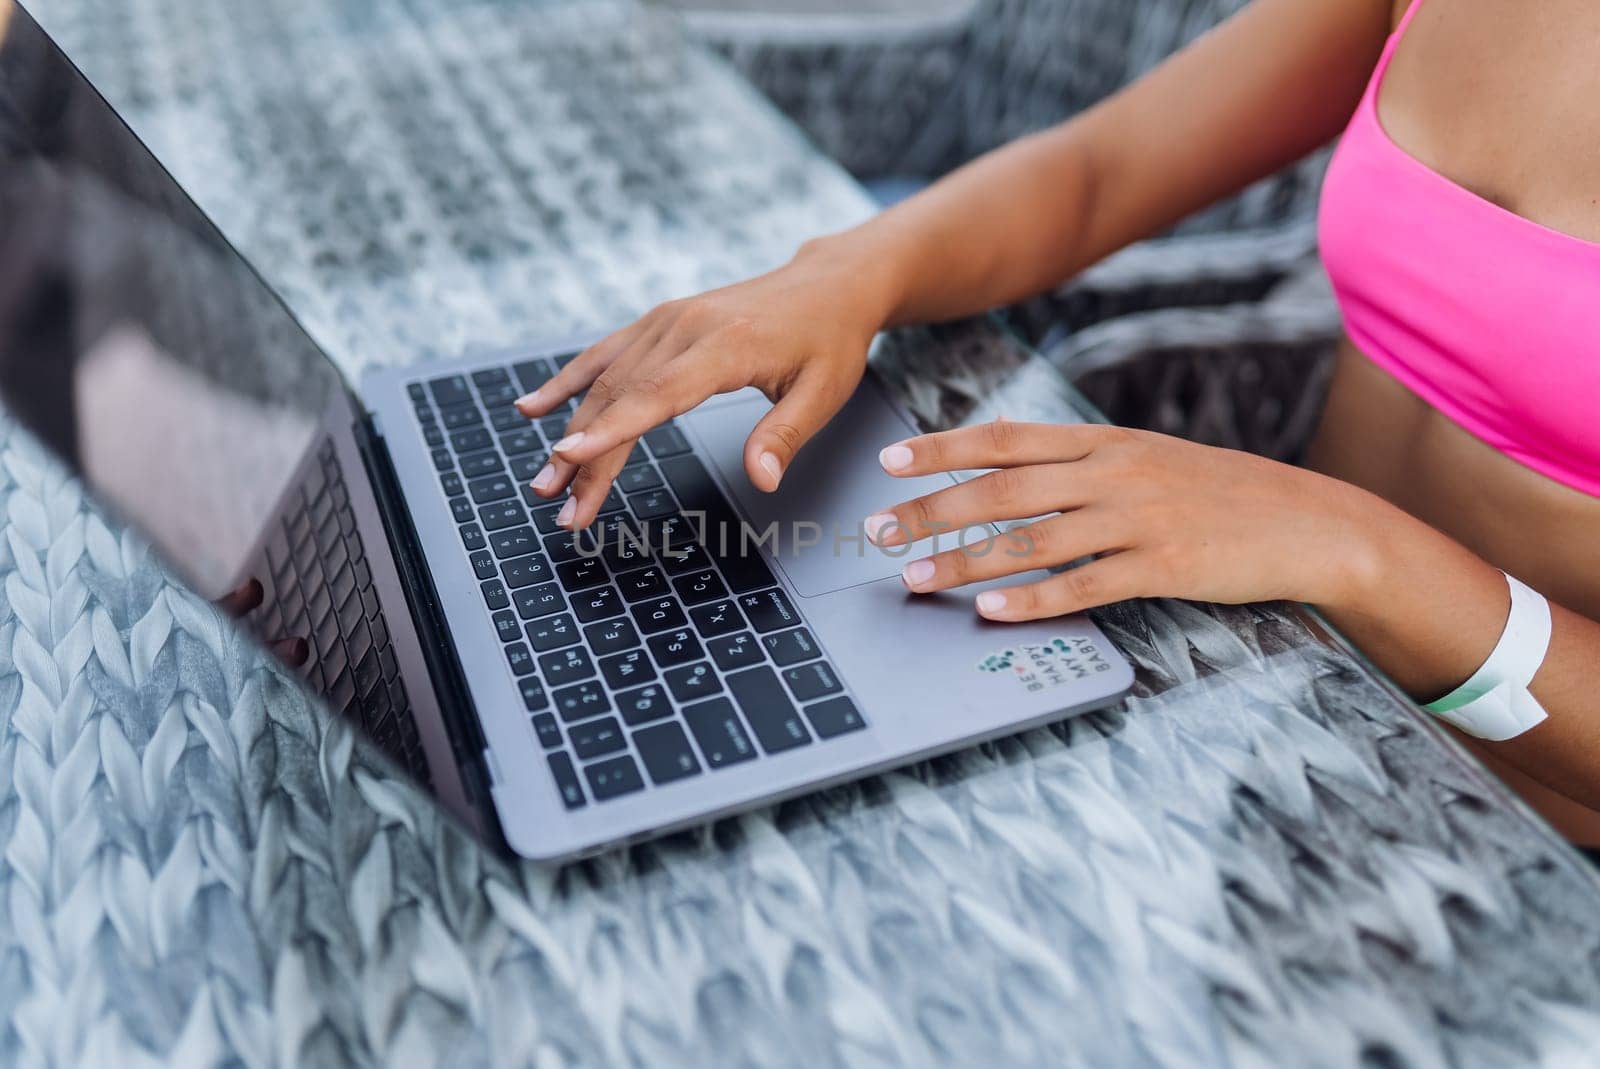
(799, 334)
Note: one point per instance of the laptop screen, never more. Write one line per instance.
(134, 341)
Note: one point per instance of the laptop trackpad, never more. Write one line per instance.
(833, 486)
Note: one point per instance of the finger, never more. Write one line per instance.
(655, 392)
(1100, 582)
(243, 600)
(582, 370)
(292, 651)
(559, 471)
(590, 486)
(1001, 444)
(1058, 540)
(1003, 494)
(803, 410)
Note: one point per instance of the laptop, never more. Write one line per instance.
(704, 649)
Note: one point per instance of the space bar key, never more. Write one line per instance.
(741, 564)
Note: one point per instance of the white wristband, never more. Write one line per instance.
(1495, 703)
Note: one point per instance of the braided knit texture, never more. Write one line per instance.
(1260, 858)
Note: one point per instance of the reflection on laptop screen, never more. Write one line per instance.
(133, 339)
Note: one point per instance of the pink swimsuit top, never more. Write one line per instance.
(1492, 319)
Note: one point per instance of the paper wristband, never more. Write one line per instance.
(1495, 703)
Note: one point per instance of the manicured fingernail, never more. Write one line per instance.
(571, 441)
(528, 400)
(773, 465)
(991, 602)
(568, 510)
(917, 573)
(895, 458)
(546, 476)
(875, 524)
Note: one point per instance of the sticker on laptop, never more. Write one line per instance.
(1053, 663)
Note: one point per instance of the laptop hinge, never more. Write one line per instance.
(438, 650)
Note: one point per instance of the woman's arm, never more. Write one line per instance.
(1259, 91)
(1168, 518)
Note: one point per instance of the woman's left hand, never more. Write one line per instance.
(1164, 518)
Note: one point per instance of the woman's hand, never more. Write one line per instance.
(1164, 517)
(799, 334)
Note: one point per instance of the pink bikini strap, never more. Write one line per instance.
(1405, 20)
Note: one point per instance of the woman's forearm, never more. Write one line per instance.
(1427, 611)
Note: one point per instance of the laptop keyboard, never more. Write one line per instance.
(322, 590)
(644, 653)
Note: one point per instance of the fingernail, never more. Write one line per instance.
(895, 458)
(991, 602)
(571, 441)
(917, 573)
(546, 476)
(773, 465)
(875, 524)
(570, 509)
(528, 400)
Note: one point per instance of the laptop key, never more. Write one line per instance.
(441, 460)
(493, 488)
(526, 571)
(564, 546)
(736, 651)
(596, 604)
(523, 441)
(771, 714)
(658, 614)
(494, 594)
(490, 377)
(676, 647)
(451, 483)
(718, 618)
(507, 626)
(769, 610)
(666, 753)
(474, 465)
(611, 636)
(549, 732)
(696, 588)
(462, 510)
(693, 682)
(812, 681)
(644, 704)
(650, 583)
(460, 417)
(507, 419)
(613, 778)
(637, 478)
(581, 574)
(653, 504)
(416, 392)
(544, 519)
(501, 515)
(565, 666)
(554, 428)
(582, 701)
(532, 374)
(720, 735)
(684, 559)
(471, 440)
(596, 738)
(513, 543)
(535, 601)
(791, 647)
(552, 632)
(497, 396)
(433, 435)
(566, 778)
(666, 441)
(834, 717)
(627, 669)
(523, 469)
(534, 697)
(520, 659)
(450, 390)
